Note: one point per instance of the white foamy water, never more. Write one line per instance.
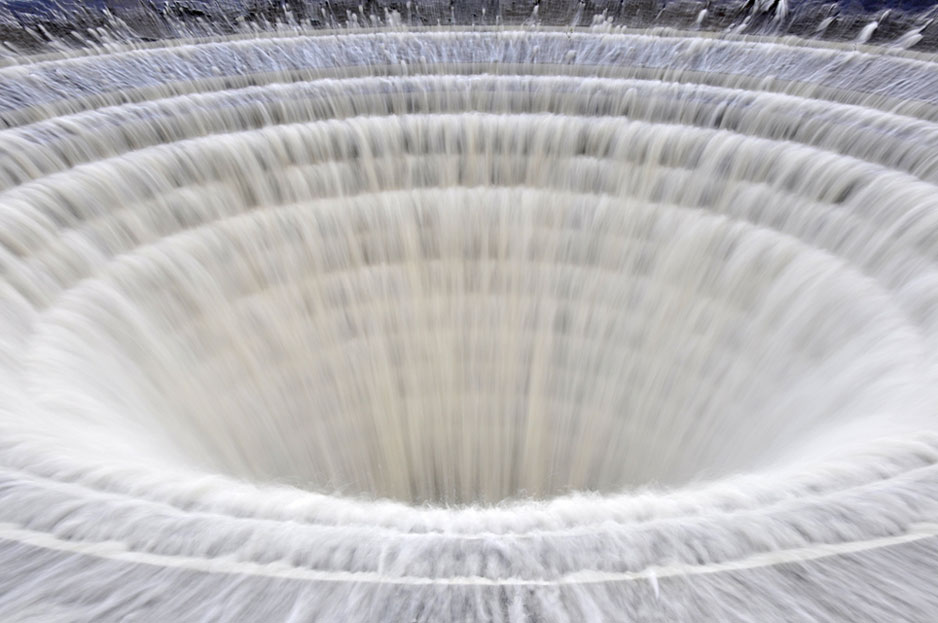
(494, 325)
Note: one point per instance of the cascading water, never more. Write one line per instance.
(481, 322)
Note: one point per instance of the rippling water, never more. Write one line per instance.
(494, 324)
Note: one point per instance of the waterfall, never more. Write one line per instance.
(519, 313)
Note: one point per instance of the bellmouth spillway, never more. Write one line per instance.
(369, 316)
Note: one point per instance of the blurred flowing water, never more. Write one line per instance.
(546, 304)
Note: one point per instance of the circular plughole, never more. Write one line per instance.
(491, 325)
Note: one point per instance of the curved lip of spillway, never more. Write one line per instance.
(355, 30)
(652, 573)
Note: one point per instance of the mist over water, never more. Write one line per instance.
(491, 323)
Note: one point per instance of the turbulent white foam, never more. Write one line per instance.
(490, 325)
